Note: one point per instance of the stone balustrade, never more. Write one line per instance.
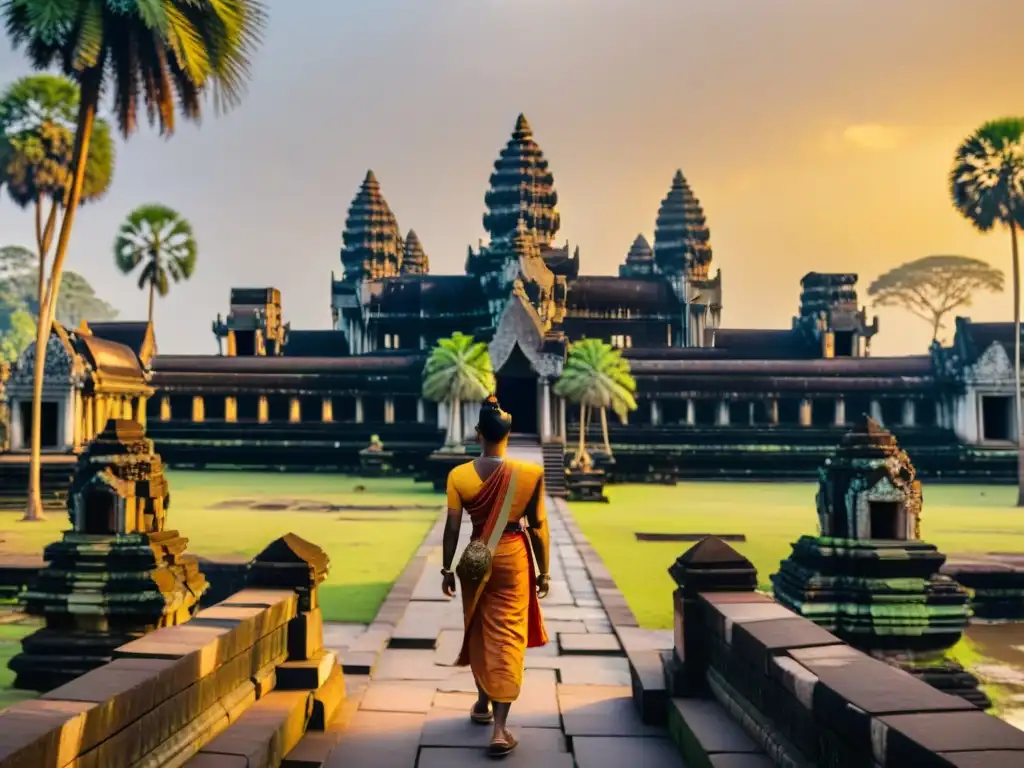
(749, 678)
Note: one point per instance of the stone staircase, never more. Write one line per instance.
(554, 468)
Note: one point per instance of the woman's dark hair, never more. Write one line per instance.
(494, 424)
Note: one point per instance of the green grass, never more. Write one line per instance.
(367, 555)
(10, 636)
(956, 518)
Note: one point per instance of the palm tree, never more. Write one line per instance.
(37, 122)
(987, 186)
(597, 376)
(160, 238)
(458, 370)
(165, 54)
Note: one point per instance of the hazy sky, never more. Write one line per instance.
(818, 136)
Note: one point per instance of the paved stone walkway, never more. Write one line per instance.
(575, 708)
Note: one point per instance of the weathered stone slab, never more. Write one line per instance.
(428, 588)
(618, 752)
(556, 627)
(912, 739)
(548, 651)
(460, 682)
(598, 626)
(416, 697)
(305, 634)
(267, 731)
(38, 733)
(530, 753)
(757, 640)
(373, 640)
(306, 674)
(701, 727)
(724, 617)
(359, 663)
(590, 644)
(559, 594)
(985, 759)
(537, 705)
(327, 699)
(599, 710)
(573, 613)
(593, 670)
(449, 643)
(451, 728)
(217, 761)
(637, 639)
(460, 702)
(403, 664)
(735, 760)
(379, 739)
(650, 696)
(338, 635)
(313, 749)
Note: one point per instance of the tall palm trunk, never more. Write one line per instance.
(83, 135)
(583, 431)
(1016, 361)
(152, 292)
(604, 431)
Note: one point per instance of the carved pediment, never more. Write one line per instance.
(992, 367)
(59, 368)
(520, 326)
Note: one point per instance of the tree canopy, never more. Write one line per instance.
(935, 286)
(458, 369)
(161, 240)
(987, 178)
(597, 375)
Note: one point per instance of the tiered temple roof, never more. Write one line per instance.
(521, 187)
(414, 260)
(639, 260)
(682, 240)
(372, 240)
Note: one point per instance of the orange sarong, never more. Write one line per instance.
(502, 615)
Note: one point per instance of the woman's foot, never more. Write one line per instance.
(502, 744)
(480, 713)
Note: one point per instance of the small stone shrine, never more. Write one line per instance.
(868, 578)
(117, 573)
(374, 460)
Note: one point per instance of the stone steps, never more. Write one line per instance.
(554, 469)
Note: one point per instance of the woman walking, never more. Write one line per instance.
(503, 571)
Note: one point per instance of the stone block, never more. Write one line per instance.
(452, 728)
(617, 752)
(984, 759)
(41, 732)
(449, 644)
(756, 641)
(916, 739)
(217, 761)
(537, 705)
(590, 644)
(409, 696)
(307, 674)
(327, 698)
(314, 748)
(358, 663)
(267, 731)
(735, 760)
(592, 670)
(650, 697)
(380, 740)
(532, 752)
(305, 635)
(702, 728)
(724, 617)
(403, 664)
(601, 710)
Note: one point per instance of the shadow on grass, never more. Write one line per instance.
(353, 603)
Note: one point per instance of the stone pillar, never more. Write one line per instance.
(140, 411)
(706, 569)
(263, 410)
(165, 408)
(100, 413)
(563, 429)
(805, 413)
(231, 409)
(88, 420)
(909, 412)
(17, 440)
(722, 417)
(655, 413)
(389, 410)
(691, 412)
(359, 409)
(876, 412)
(198, 409)
(78, 423)
(327, 410)
(545, 410)
(67, 427)
(840, 418)
(751, 416)
(773, 411)
(294, 410)
(421, 410)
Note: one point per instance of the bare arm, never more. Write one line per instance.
(452, 526)
(538, 530)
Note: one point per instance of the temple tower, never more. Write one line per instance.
(521, 187)
(682, 240)
(830, 315)
(254, 327)
(414, 260)
(372, 240)
(639, 260)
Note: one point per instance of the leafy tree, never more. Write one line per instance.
(37, 120)
(933, 287)
(162, 241)
(20, 331)
(165, 54)
(597, 377)
(987, 187)
(457, 370)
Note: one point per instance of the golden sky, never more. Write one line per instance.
(818, 136)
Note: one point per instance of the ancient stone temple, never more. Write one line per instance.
(867, 577)
(118, 573)
(414, 259)
(639, 260)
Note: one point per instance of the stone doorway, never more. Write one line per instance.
(50, 423)
(517, 392)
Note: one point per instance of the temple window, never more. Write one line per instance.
(311, 408)
(387, 341)
(892, 411)
(181, 407)
(373, 409)
(248, 407)
(405, 409)
(100, 513)
(344, 408)
(673, 411)
(629, 342)
(153, 409)
(278, 408)
(789, 411)
(739, 413)
(705, 412)
(214, 408)
(997, 418)
(823, 412)
(844, 346)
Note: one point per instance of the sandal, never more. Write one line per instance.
(501, 747)
(481, 718)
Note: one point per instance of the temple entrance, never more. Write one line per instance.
(49, 422)
(517, 392)
(884, 518)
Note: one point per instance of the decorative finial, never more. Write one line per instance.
(523, 126)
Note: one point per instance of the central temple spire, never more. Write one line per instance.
(522, 186)
(372, 241)
(682, 240)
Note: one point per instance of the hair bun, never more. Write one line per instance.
(492, 400)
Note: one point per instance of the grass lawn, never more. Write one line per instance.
(956, 518)
(10, 635)
(368, 550)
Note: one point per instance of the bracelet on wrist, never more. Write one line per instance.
(446, 572)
